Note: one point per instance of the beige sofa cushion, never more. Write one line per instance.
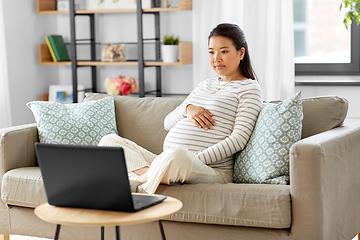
(23, 187)
(252, 205)
(141, 120)
(322, 114)
(229, 204)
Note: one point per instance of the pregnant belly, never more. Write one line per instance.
(187, 135)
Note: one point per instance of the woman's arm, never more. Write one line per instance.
(179, 112)
(200, 116)
(250, 104)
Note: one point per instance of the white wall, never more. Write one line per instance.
(24, 30)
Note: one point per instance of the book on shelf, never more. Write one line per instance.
(50, 49)
(57, 48)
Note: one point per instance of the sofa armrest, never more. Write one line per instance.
(325, 184)
(17, 147)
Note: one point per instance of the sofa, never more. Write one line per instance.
(321, 201)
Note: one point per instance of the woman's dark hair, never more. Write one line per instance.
(237, 36)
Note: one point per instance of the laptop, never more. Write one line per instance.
(91, 177)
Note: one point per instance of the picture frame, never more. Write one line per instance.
(64, 93)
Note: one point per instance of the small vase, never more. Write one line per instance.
(170, 53)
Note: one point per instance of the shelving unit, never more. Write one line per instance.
(185, 48)
(49, 7)
(185, 57)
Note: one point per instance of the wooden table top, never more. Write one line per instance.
(89, 217)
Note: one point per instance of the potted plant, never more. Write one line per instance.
(170, 49)
(354, 11)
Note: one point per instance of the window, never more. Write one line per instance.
(323, 46)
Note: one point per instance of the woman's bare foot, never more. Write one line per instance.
(141, 171)
(142, 174)
(142, 178)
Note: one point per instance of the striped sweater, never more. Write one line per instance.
(234, 106)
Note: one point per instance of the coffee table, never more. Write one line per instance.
(89, 217)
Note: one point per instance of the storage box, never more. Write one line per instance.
(169, 3)
(64, 5)
(113, 53)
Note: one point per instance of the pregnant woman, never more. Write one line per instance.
(214, 121)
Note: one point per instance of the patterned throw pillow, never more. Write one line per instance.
(265, 159)
(76, 123)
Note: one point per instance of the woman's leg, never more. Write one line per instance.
(138, 159)
(172, 165)
(201, 173)
(180, 165)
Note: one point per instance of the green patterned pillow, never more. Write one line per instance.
(265, 158)
(75, 123)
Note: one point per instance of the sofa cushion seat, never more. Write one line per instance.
(252, 205)
(23, 187)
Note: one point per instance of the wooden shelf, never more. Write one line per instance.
(45, 5)
(49, 7)
(45, 56)
(185, 56)
(185, 48)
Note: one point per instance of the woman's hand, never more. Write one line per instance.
(200, 116)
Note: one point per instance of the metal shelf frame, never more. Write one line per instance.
(140, 42)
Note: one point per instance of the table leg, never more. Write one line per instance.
(117, 233)
(161, 230)
(57, 233)
(102, 233)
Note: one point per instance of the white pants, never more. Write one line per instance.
(173, 165)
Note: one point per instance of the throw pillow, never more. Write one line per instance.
(75, 123)
(265, 158)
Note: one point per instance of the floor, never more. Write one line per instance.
(17, 237)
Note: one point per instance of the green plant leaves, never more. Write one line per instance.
(353, 11)
(101, 1)
(170, 40)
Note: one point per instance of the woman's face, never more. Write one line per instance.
(224, 58)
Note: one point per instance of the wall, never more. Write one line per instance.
(24, 29)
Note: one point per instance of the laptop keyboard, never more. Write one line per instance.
(143, 201)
